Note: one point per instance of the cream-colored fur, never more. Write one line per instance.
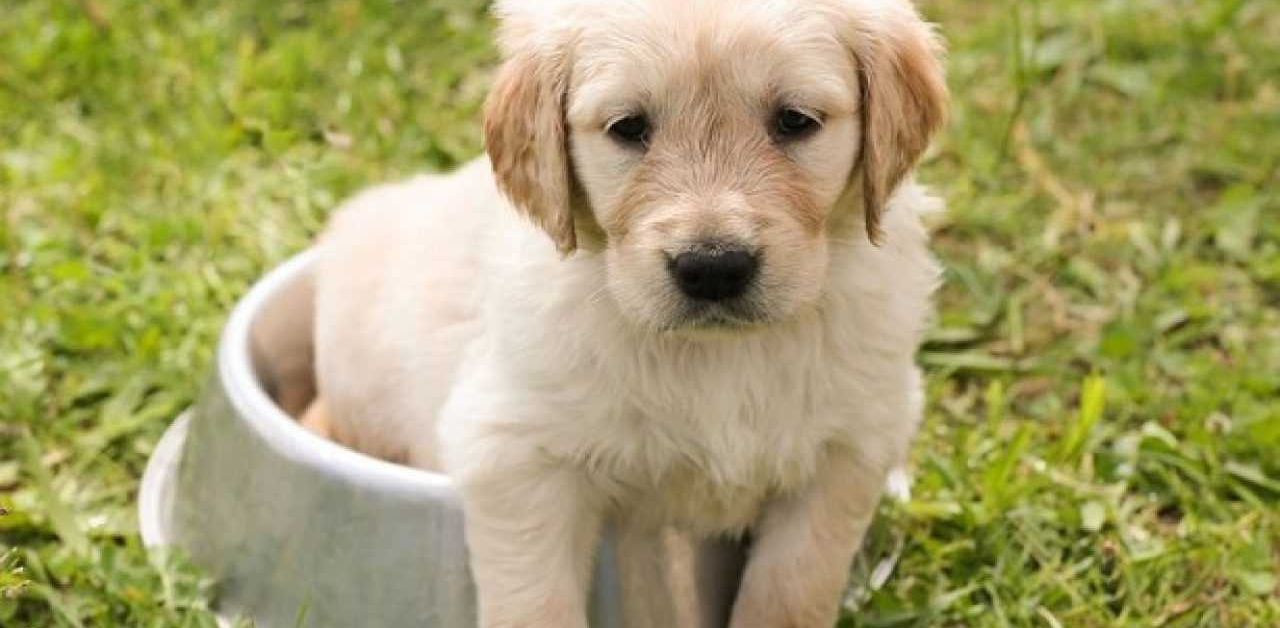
(516, 325)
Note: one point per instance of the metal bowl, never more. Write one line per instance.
(298, 530)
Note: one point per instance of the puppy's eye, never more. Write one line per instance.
(631, 130)
(792, 124)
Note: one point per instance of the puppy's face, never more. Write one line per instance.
(709, 148)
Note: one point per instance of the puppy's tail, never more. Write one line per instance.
(316, 419)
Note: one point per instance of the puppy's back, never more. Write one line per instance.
(399, 282)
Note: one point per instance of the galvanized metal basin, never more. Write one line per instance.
(300, 531)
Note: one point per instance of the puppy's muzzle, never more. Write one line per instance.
(715, 272)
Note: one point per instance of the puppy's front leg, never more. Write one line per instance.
(532, 529)
(803, 546)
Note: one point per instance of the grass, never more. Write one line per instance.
(1103, 441)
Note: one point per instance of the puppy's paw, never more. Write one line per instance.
(773, 614)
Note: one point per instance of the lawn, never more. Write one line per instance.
(1102, 445)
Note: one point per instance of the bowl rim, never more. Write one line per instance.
(285, 436)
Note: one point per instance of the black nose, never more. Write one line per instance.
(715, 274)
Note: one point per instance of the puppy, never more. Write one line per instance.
(684, 289)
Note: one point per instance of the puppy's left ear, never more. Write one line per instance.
(524, 129)
(904, 96)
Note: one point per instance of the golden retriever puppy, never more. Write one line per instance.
(684, 289)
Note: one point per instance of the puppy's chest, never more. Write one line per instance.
(711, 491)
(708, 456)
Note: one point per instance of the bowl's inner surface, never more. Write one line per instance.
(281, 344)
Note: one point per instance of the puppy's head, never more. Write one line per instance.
(711, 150)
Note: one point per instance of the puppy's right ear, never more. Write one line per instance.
(524, 126)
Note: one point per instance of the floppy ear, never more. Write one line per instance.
(525, 136)
(904, 97)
